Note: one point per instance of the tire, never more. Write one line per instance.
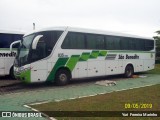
(62, 77)
(12, 73)
(128, 71)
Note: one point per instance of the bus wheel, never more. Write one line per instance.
(128, 71)
(12, 73)
(62, 77)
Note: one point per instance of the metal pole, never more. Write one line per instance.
(33, 26)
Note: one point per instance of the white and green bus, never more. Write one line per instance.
(7, 57)
(63, 53)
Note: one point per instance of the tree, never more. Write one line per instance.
(157, 38)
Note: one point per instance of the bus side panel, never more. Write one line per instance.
(113, 67)
(138, 65)
(80, 70)
(8, 64)
(39, 71)
(2, 68)
(148, 65)
(149, 61)
(96, 67)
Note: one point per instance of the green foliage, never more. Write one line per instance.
(156, 70)
(157, 38)
(158, 32)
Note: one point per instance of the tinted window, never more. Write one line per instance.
(149, 45)
(132, 43)
(7, 39)
(74, 41)
(141, 44)
(45, 45)
(112, 43)
(124, 43)
(15, 38)
(95, 41)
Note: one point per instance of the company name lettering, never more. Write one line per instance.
(128, 56)
(12, 54)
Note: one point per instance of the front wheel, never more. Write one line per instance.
(62, 77)
(12, 73)
(129, 71)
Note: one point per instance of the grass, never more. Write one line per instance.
(156, 70)
(108, 102)
(114, 101)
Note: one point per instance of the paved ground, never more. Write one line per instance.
(16, 101)
(10, 81)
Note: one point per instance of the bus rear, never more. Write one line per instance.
(7, 57)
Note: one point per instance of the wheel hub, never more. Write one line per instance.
(63, 77)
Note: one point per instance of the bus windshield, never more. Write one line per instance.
(44, 47)
(23, 51)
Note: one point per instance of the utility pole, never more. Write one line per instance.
(34, 26)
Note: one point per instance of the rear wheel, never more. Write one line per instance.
(62, 77)
(129, 71)
(12, 73)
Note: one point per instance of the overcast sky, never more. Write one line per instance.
(140, 17)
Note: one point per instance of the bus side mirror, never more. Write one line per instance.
(13, 43)
(35, 41)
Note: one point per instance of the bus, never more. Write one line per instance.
(7, 57)
(60, 54)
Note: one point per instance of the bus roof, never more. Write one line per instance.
(12, 32)
(84, 30)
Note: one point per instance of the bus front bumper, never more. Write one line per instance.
(23, 74)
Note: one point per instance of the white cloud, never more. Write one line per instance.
(132, 16)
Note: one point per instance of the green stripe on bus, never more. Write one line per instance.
(72, 62)
(84, 56)
(28, 76)
(25, 76)
(60, 63)
(94, 54)
(102, 53)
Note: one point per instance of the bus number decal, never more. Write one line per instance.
(61, 55)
